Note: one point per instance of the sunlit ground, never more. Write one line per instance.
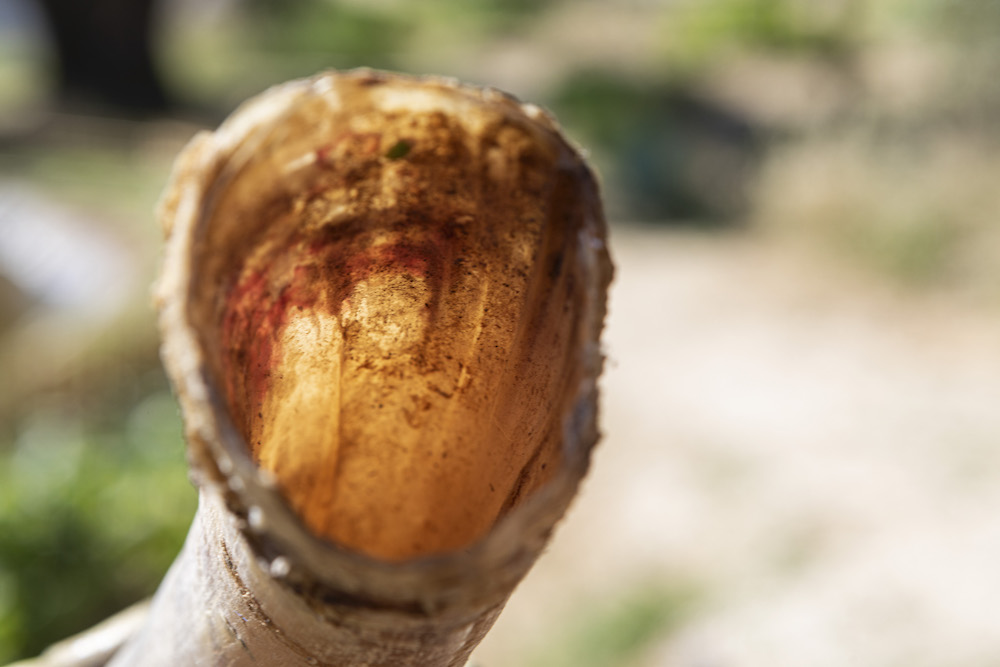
(800, 461)
(798, 469)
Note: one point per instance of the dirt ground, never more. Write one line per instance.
(814, 456)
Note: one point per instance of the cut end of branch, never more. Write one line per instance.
(398, 285)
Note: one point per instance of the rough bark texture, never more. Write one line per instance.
(381, 305)
(219, 605)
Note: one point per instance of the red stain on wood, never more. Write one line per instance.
(326, 272)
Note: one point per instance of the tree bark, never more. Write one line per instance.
(401, 281)
(220, 605)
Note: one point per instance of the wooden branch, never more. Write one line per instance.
(381, 304)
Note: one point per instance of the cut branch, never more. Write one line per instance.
(381, 304)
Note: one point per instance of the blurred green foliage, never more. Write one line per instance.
(120, 181)
(667, 153)
(616, 631)
(971, 96)
(92, 511)
(303, 36)
(789, 27)
(487, 18)
(314, 35)
(916, 251)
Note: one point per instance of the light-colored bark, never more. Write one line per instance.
(381, 305)
(221, 605)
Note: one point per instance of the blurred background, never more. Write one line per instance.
(801, 461)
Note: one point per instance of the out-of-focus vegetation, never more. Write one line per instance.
(862, 130)
(92, 510)
(670, 155)
(615, 631)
